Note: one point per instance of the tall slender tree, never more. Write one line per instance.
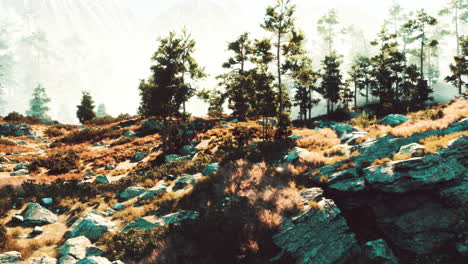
(331, 80)
(38, 104)
(459, 68)
(326, 26)
(305, 79)
(458, 9)
(101, 111)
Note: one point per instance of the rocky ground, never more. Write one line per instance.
(393, 190)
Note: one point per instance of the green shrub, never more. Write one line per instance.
(175, 168)
(58, 163)
(53, 132)
(429, 114)
(90, 134)
(134, 244)
(17, 118)
(364, 120)
(199, 164)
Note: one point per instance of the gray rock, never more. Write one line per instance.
(21, 166)
(75, 247)
(342, 129)
(43, 260)
(35, 214)
(295, 154)
(211, 169)
(181, 216)
(94, 260)
(10, 257)
(188, 150)
(378, 252)
(393, 120)
(47, 201)
(37, 230)
(185, 180)
(117, 262)
(94, 252)
(132, 192)
(312, 194)
(140, 224)
(129, 133)
(67, 260)
(17, 219)
(414, 149)
(350, 139)
(152, 193)
(102, 179)
(317, 236)
(93, 226)
(15, 130)
(21, 172)
(139, 156)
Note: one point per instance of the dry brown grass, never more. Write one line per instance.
(129, 214)
(451, 114)
(346, 166)
(269, 218)
(14, 148)
(401, 156)
(380, 161)
(315, 205)
(319, 140)
(435, 143)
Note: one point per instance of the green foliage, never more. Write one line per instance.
(17, 118)
(331, 80)
(459, 68)
(173, 74)
(199, 164)
(215, 99)
(414, 91)
(38, 104)
(364, 120)
(90, 134)
(305, 79)
(326, 26)
(86, 108)
(175, 168)
(58, 163)
(101, 111)
(53, 132)
(135, 244)
(360, 74)
(284, 123)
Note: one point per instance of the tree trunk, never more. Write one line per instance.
(355, 95)
(456, 30)
(278, 51)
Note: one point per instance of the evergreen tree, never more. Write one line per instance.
(215, 99)
(174, 74)
(305, 79)
(360, 74)
(38, 104)
(279, 20)
(85, 110)
(459, 68)
(419, 27)
(331, 81)
(237, 82)
(386, 70)
(459, 11)
(326, 26)
(346, 94)
(414, 90)
(101, 111)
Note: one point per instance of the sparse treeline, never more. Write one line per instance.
(261, 71)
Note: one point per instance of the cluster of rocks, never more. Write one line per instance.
(15, 130)
(20, 169)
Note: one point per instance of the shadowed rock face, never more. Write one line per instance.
(35, 214)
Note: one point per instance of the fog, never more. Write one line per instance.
(105, 46)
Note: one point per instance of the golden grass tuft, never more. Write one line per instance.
(319, 140)
(315, 205)
(380, 161)
(434, 143)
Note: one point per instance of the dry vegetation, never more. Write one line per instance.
(435, 143)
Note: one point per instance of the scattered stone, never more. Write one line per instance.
(296, 153)
(234, 121)
(21, 142)
(186, 180)
(393, 120)
(294, 137)
(188, 150)
(414, 149)
(211, 169)
(15, 130)
(181, 216)
(312, 194)
(350, 138)
(93, 226)
(20, 173)
(75, 247)
(131, 192)
(67, 260)
(3, 159)
(377, 251)
(37, 230)
(17, 219)
(139, 156)
(110, 167)
(129, 133)
(94, 252)
(35, 214)
(10, 257)
(102, 179)
(342, 129)
(156, 191)
(140, 224)
(47, 201)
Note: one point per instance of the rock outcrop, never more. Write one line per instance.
(10, 257)
(15, 130)
(36, 215)
(93, 226)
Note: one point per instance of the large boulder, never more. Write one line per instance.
(10, 257)
(75, 247)
(15, 130)
(93, 226)
(131, 192)
(342, 129)
(36, 215)
(378, 252)
(317, 235)
(102, 179)
(393, 120)
(186, 180)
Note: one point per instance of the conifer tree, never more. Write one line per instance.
(38, 104)
(331, 80)
(305, 79)
(346, 94)
(173, 78)
(326, 26)
(85, 110)
(459, 11)
(101, 111)
(459, 68)
(360, 74)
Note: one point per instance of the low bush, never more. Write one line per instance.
(90, 134)
(364, 120)
(122, 141)
(17, 118)
(57, 163)
(53, 131)
(7, 142)
(429, 114)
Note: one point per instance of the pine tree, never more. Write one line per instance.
(38, 104)
(215, 99)
(326, 27)
(346, 94)
(459, 68)
(173, 77)
(305, 79)
(360, 74)
(459, 11)
(101, 111)
(85, 110)
(331, 81)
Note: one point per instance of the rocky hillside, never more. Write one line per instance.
(390, 190)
